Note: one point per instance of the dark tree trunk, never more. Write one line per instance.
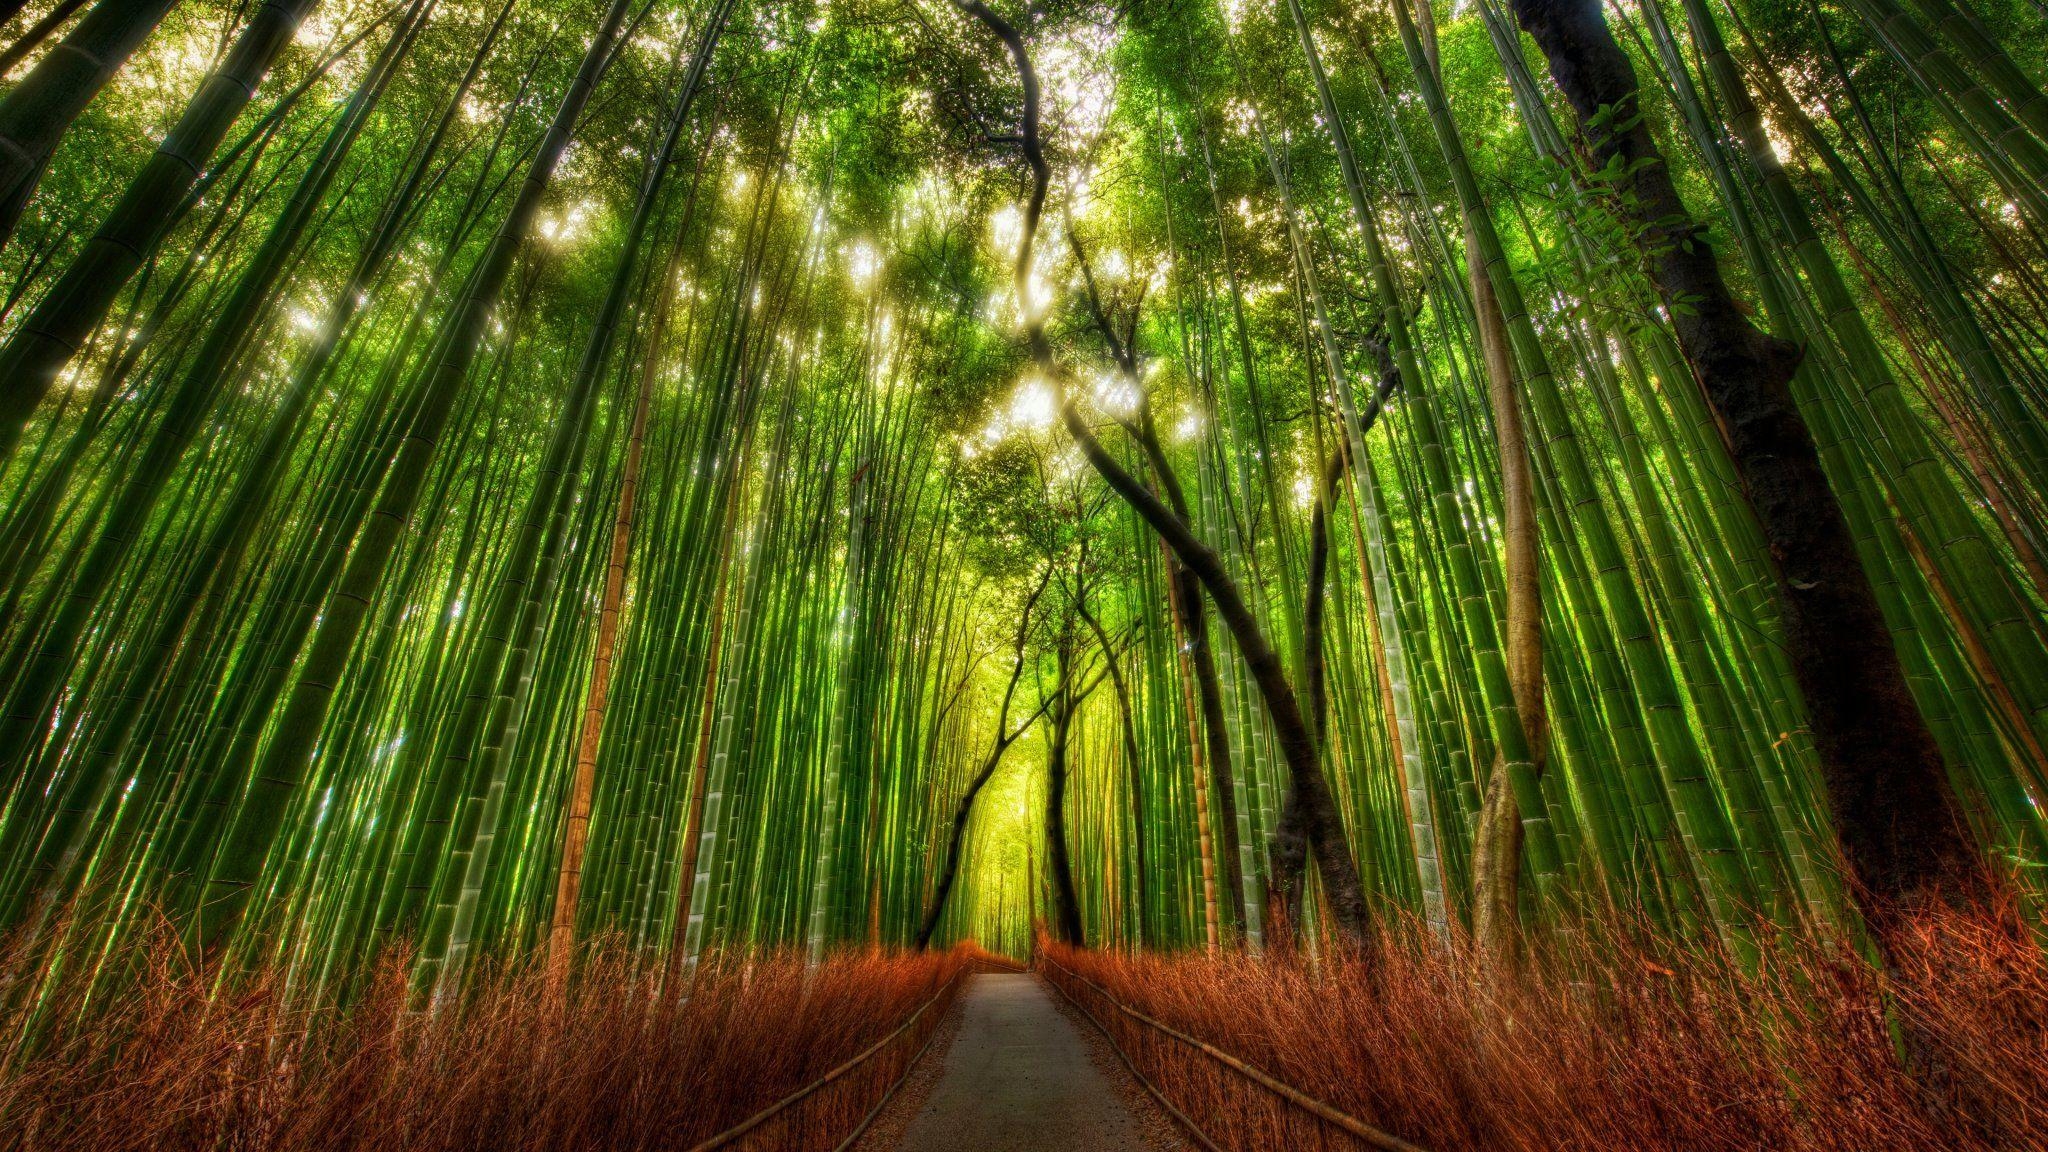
(1321, 826)
(1290, 867)
(1314, 678)
(188, 403)
(33, 37)
(1887, 789)
(75, 305)
(1066, 901)
(38, 110)
(949, 868)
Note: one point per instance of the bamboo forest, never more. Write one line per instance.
(1023, 574)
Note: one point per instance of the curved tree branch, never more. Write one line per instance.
(1332, 853)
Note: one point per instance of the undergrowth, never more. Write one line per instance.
(159, 1060)
(1612, 1039)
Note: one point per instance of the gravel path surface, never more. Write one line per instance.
(1020, 1076)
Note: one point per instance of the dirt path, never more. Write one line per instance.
(1019, 1077)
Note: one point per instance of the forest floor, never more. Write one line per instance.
(1012, 1071)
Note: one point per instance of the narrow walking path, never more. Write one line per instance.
(1018, 1078)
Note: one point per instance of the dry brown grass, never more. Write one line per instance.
(163, 1065)
(1615, 1041)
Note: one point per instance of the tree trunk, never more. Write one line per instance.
(1321, 822)
(1065, 900)
(1497, 847)
(700, 776)
(583, 781)
(1212, 929)
(188, 404)
(75, 305)
(1216, 741)
(949, 869)
(247, 842)
(1885, 783)
(38, 110)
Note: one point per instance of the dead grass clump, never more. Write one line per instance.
(1612, 1040)
(159, 1063)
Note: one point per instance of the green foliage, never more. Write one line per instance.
(853, 481)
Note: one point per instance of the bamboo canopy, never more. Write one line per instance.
(1192, 474)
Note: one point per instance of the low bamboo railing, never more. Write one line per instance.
(1220, 1100)
(814, 1115)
